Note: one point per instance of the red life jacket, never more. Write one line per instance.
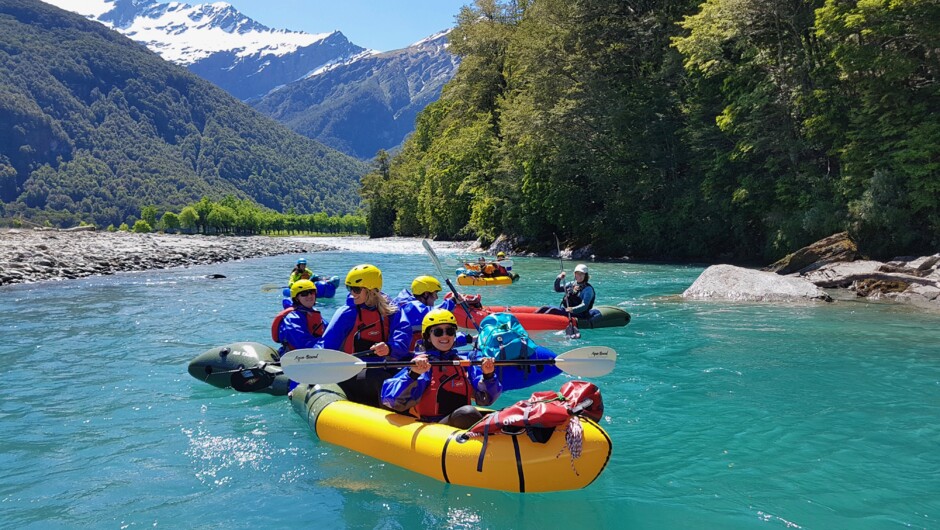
(368, 329)
(415, 337)
(314, 325)
(449, 390)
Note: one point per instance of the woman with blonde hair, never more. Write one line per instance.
(371, 326)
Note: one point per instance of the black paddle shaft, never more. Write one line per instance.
(463, 303)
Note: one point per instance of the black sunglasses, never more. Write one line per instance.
(354, 290)
(450, 331)
(306, 293)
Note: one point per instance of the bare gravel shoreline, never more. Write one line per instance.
(28, 256)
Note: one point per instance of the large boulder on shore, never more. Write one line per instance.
(737, 284)
(833, 249)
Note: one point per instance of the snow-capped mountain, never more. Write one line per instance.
(323, 86)
(218, 43)
(368, 102)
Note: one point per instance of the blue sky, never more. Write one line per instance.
(377, 24)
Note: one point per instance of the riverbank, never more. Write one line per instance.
(28, 256)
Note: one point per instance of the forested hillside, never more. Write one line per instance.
(95, 127)
(724, 129)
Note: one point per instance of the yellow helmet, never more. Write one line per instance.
(500, 255)
(368, 276)
(300, 286)
(435, 317)
(425, 284)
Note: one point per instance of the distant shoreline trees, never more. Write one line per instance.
(241, 217)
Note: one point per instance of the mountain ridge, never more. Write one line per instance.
(218, 43)
(99, 126)
(380, 94)
(369, 98)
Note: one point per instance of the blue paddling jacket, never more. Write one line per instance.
(298, 328)
(348, 323)
(414, 310)
(415, 394)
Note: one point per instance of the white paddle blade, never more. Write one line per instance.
(269, 287)
(312, 366)
(437, 262)
(589, 361)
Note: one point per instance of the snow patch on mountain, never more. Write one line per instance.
(185, 34)
(431, 40)
(332, 65)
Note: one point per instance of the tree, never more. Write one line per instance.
(170, 222)
(189, 219)
(882, 95)
(376, 194)
(149, 214)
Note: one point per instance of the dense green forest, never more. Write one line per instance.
(95, 127)
(724, 129)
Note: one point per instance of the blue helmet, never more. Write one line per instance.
(302, 261)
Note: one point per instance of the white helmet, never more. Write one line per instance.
(581, 268)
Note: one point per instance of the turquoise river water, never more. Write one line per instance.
(722, 415)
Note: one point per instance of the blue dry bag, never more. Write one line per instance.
(504, 338)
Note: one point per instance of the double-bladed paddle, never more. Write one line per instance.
(440, 269)
(268, 287)
(258, 377)
(570, 331)
(315, 366)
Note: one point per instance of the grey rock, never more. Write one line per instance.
(737, 284)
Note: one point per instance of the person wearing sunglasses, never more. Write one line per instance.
(442, 394)
(300, 325)
(369, 322)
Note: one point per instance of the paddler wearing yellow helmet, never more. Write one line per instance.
(300, 325)
(417, 302)
(368, 322)
(442, 394)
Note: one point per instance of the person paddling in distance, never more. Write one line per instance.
(368, 322)
(300, 272)
(579, 294)
(442, 394)
(501, 270)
